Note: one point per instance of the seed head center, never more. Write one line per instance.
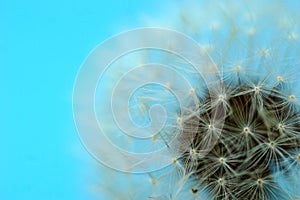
(256, 89)
(154, 138)
(192, 91)
(264, 52)
(280, 126)
(246, 130)
(279, 78)
(260, 181)
(222, 160)
(220, 181)
(153, 181)
(238, 68)
(192, 152)
(179, 120)
(292, 97)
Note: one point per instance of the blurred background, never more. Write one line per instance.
(42, 45)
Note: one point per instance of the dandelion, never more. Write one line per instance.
(255, 47)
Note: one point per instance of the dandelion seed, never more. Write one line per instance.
(193, 152)
(292, 97)
(222, 160)
(272, 144)
(264, 52)
(279, 79)
(174, 160)
(153, 181)
(192, 91)
(221, 97)
(238, 68)
(179, 120)
(260, 181)
(220, 181)
(280, 126)
(154, 138)
(246, 130)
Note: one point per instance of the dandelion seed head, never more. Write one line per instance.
(257, 61)
(263, 150)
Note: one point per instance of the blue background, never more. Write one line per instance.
(42, 45)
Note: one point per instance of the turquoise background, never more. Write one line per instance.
(42, 45)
